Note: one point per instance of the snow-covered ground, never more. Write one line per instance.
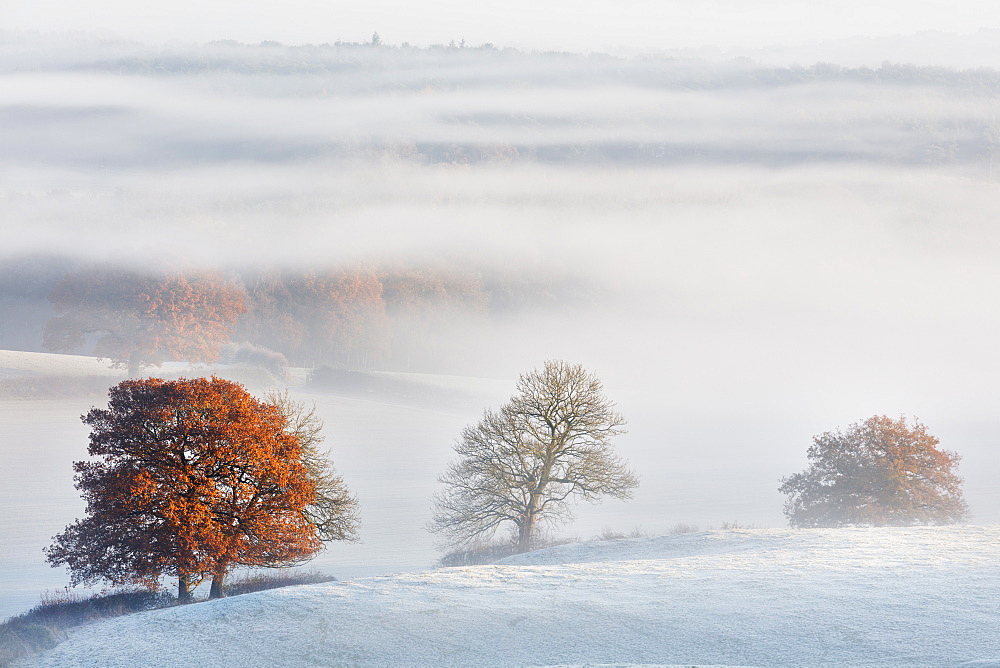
(390, 448)
(837, 597)
(19, 363)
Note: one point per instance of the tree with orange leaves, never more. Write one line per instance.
(880, 472)
(191, 478)
(139, 319)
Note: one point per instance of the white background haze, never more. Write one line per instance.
(755, 255)
(599, 25)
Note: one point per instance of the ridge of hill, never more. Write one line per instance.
(922, 596)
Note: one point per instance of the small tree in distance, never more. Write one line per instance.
(520, 466)
(880, 472)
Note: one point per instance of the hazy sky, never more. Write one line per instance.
(547, 24)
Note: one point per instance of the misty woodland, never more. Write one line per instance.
(554, 359)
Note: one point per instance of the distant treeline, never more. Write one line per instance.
(896, 113)
(408, 67)
(395, 317)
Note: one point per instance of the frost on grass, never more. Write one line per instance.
(832, 597)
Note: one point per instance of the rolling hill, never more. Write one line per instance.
(926, 596)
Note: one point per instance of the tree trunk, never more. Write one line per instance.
(524, 531)
(218, 580)
(184, 588)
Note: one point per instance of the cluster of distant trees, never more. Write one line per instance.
(190, 478)
(359, 318)
(666, 70)
(920, 133)
(355, 318)
(136, 319)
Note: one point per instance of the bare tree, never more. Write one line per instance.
(520, 465)
(334, 511)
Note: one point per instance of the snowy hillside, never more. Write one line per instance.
(19, 363)
(390, 446)
(851, 597)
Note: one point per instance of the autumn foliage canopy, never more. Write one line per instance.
(336, 317)
(406, 317)
(880, 472)
(187, 479)
(140, 319)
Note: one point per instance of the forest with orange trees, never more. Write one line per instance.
(135, 319)
(394, 316)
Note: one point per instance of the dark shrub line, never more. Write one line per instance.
(47, 624)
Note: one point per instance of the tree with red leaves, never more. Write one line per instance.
(189, 478)
(880, 472)
(141, 319)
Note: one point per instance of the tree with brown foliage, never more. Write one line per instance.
(141, 319)
(520, 465)
(188, 478)
(880, 472)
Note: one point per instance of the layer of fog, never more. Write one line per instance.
(755, 259)
(934, 45)
(144, 108)
(118, 123)
(827, 293)
(762, 263)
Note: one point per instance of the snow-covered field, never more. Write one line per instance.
(837, 597)
(15, 363)
(390, 450)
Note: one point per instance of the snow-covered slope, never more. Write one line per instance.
(389, 445)
(849, 597)
(20, 363)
